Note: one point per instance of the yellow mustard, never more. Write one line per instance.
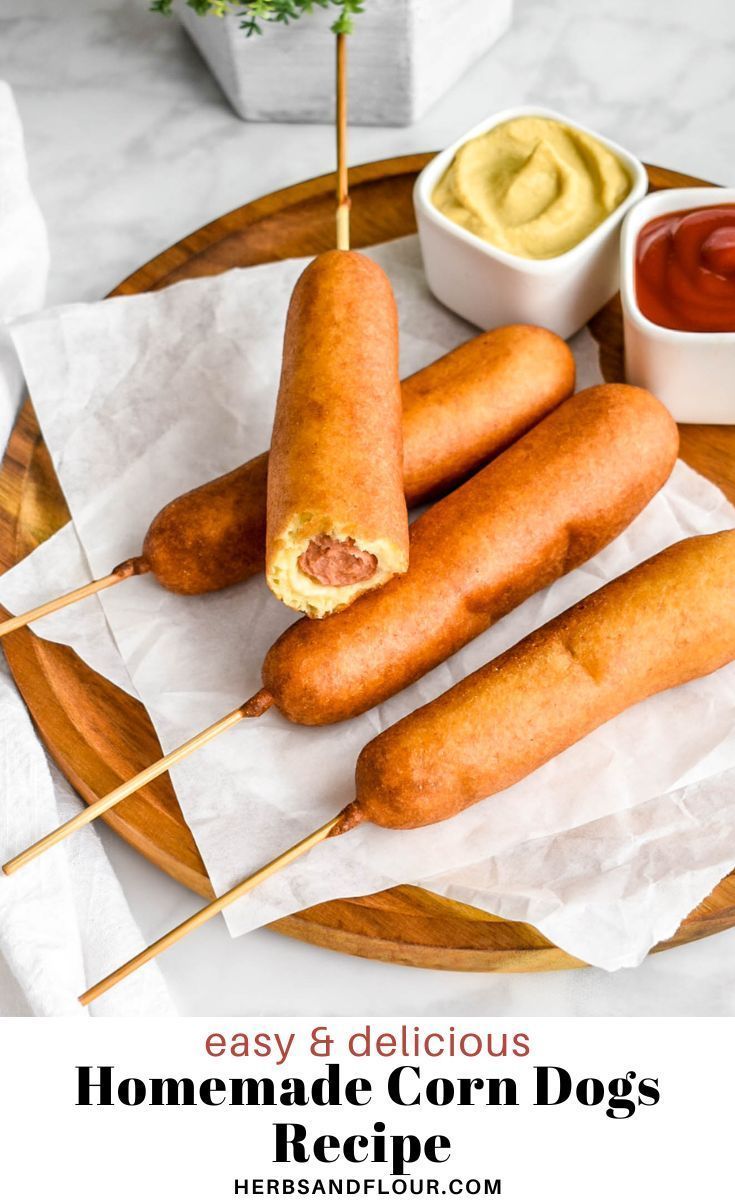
(532, 186)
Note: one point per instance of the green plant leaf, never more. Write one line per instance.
(254, 14)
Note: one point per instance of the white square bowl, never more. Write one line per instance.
(491, 287)
(693, 374)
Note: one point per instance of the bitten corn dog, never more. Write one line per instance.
(547, 504)
(667, 621)
(457, 413)
(337, 523)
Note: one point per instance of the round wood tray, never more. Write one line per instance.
(99, 736)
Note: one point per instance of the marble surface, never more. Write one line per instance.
(132, 145)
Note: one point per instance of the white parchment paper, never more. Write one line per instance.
(605, 849)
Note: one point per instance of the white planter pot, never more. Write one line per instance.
(403, 55)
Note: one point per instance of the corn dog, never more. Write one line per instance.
(667, 621)
(549, 503)
(337, 523)
(457, 414)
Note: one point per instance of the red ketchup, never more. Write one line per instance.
(685, 270)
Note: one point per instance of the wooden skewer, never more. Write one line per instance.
(343, 197)
(210, 910)
(254, 707)
(133, 566)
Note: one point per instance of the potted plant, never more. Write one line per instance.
(273, 58)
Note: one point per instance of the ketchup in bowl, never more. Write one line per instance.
(685, 270)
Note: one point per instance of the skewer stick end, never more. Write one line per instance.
(257, 704)
(343, 225)
(131, 566)
(348, 819)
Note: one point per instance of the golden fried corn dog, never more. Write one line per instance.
(667, 621)
(337, 523)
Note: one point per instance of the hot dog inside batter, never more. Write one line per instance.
(320, 566)
(335, 563)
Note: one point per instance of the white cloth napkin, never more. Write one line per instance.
(140, 398)
(64, 921)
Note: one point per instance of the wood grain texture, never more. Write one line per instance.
(99, 736)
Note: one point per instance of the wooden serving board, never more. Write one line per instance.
(99, 736)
